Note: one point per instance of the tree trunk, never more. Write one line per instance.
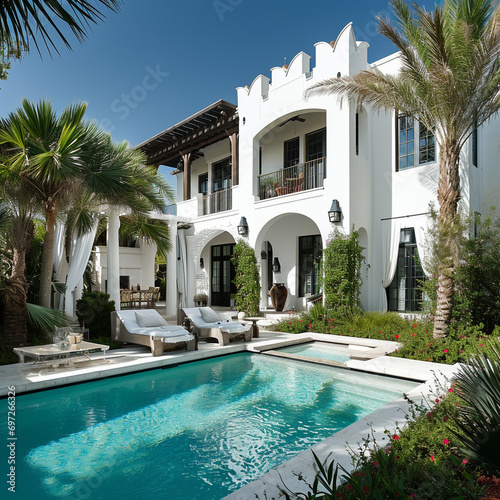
(14, 293)
(15, 312)
(48, 254)
(448, 197)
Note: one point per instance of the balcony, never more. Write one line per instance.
(300, 177)
(220, 201)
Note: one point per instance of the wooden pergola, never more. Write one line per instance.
(179, 145)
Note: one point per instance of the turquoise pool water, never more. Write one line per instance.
(195, 431)
(319, 350)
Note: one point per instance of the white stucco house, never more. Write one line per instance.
(276, 162)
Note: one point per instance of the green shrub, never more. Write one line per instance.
(342, 259)
(414, 335)
(247, 279)
(478, 278)
(478, 384)
(477, 270)
(163, 289)
(94, 312)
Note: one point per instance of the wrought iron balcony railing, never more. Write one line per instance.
(220, 201)
(300, 177)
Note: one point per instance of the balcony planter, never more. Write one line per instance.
(279, 294)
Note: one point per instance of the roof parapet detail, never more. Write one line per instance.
(345, 55)
(299, 65)
(259, 85)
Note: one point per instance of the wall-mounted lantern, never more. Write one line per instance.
(335, 212)
(276, 265)
(243, 227)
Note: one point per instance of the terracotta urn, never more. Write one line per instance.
(278, 293)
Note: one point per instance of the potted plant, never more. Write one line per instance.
(200, 300)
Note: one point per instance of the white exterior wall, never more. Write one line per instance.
(138, 263)
(367, 185)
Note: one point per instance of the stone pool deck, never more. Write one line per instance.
(29, 377)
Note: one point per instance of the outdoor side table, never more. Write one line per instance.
(45, 353)
(255, 327)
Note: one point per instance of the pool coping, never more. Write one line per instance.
(25, 379)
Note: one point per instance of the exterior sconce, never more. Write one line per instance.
(202, 264)
(335, 212)
(243, 227)
(276, 265)
(263, 255)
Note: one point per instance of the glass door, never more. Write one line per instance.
(222, 275)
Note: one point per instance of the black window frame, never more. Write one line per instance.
(408, 276)
(203, 182)
(221, 174)
(474, 140)
(415, 144)
(314, 249)
(291, 152)
(312, 139)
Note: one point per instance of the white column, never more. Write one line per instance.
(113, 264)
(171, 301)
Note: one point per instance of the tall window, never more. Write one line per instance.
(269, 266)
(316, 144)
(357, 134)
(416, 143)
(310, 251)
(221, 177)
(291, 153)
(404, 293)
(474, 145)
(203, 183)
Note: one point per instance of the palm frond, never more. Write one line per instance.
(478, 384)
(22, 22)
(44, 319)
(151, 230)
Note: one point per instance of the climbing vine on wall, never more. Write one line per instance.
(247, 279)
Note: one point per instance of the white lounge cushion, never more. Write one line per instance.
(210, 316)
(149, 318)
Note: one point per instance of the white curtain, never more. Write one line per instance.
(391, 230)
(181, 267)
(58, 248)
(81, 246)
(421, 226)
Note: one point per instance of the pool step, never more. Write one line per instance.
(273, 344)
(318, 361)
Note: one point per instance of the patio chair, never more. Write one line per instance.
(208, 323)
(147, 327)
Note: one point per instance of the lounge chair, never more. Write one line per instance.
(208, 323)
(147, 327)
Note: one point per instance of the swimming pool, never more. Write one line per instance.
(195, 431)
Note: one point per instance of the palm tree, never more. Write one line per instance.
(18, 212)
(117, 175)
(449, 80)
(56, 154)
(26, 20)
(47, 152)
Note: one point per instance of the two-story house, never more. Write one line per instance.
(281, 171)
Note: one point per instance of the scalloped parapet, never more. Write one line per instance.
(346, 56)
(259, 86)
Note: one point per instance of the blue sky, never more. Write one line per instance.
(157, 62)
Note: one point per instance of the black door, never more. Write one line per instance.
(222, 275)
